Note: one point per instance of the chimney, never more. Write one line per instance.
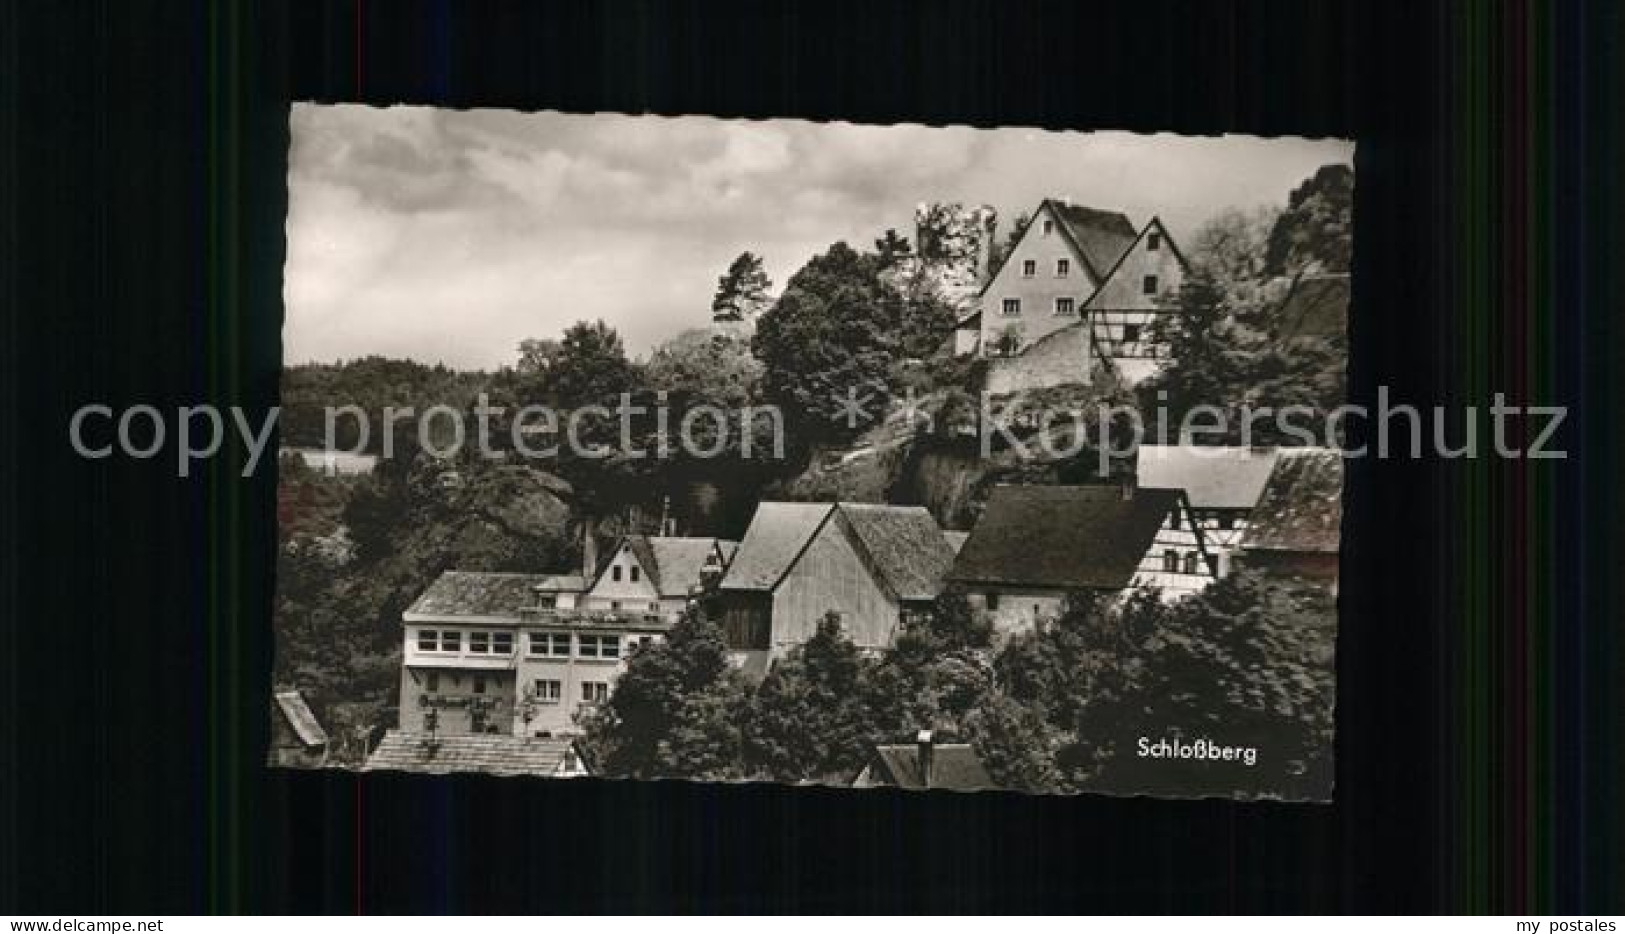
(926, 748)
(589, 550)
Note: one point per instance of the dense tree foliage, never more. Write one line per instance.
(832, 333)
(742, 292)
(372, 384)
(675, 711)
(1316, 231)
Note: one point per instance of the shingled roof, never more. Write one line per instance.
(1301, 508)
(478, 595)
(1063, 537)
(906, 544)
(673, 564)
(1212, 477)
(777, 533)
(954, 767)
(484, 753)
(908, 549)
(1101, 236)
(297, 713)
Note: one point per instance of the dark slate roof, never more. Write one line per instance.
(775, 538)
(1317, 307)
(1301, 508)
(297, 713)
(954, 767)
(1212, 477)
(1064, 537)
(1101, 236)
(478, 594)
(485, 753)
(906, 545)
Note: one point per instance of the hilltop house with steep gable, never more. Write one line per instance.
(1079, 286)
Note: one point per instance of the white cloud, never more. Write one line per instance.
(451, 235)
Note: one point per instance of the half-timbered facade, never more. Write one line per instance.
(1221, 484)
(1036, 545)
(1079, 267)
(1135, 294)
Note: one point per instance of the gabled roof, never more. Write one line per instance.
(484, 753)
(777, 534)
(1096, 300)
(672, 564)
(1100, 237)
(954, 767)
(1212, 477)
(478, 595)
(906, 545)
(1316, 307)
(1301, 508)
(297, 713)
(1063, 537)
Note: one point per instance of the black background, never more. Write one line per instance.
(143, 215)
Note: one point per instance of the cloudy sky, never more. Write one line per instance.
(451, 235)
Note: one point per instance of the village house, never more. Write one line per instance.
(1079, 286)
(1221, 484)
(473, 753)
(523, 654)
(925, 764)
(656, 574)
(297, 738)
(874, 565)
(1036, 545)
(1294, 529)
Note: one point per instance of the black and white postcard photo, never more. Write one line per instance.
(811, 453)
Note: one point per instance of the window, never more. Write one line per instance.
(654, 606)
(428, 639)
(599, 646)
(615, 572)
(993, 601)
(1173, 519)
(1131, 333)
(1049, 226)
(1029, 268)
(1153, 242)
(1227, 523)
(548, 692)
(479, 685)
(615, 606)
(502, 643)
(1170, 560)
(1149, 285)
(432, 683)
(1193, 563)
(548, 602)
(1012, 307)
(634, 570)
(1063, 306)
(451, 642)
(479, 642)
(594, 692)
(1063, 268)
(554, 644)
